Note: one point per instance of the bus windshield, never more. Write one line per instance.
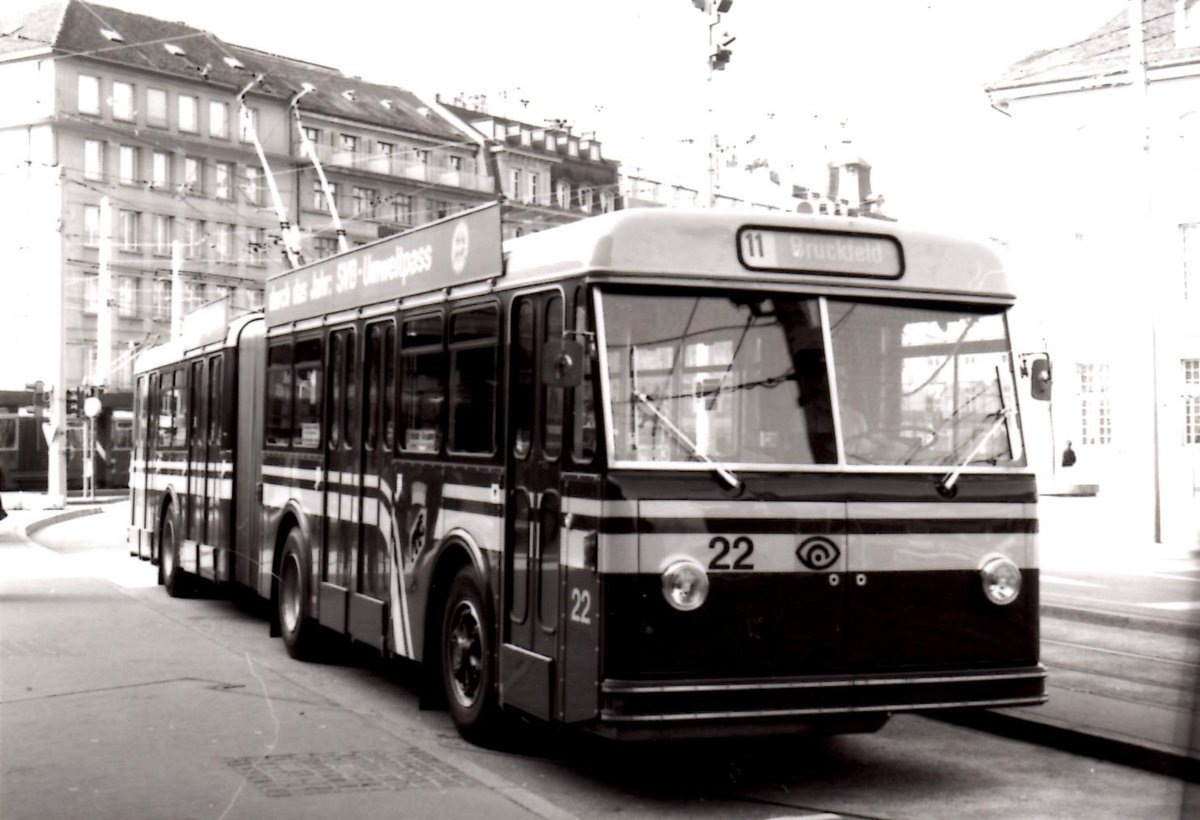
(730, 379)
(924, 386)
(743, 379)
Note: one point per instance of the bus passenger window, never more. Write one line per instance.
(389, 388)
(552, 397)
(179, 412)
(422, 385)
(306, 394)
(279, 395)
(474, 335)
(583, 441)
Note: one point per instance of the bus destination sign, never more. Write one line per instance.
(794, 250)
(462, 249)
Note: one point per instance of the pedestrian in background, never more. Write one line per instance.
(1068, 456)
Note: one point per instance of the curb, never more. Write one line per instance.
(29, 529)
(1075, 741)
(1144, 623)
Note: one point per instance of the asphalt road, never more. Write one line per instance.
(118, 701)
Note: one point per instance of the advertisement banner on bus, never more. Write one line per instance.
(462, 249)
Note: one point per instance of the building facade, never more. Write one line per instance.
(122, 136)
(548, 175)
(1105, 140)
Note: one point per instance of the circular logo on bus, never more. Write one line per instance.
(818, 553)
(460, 246)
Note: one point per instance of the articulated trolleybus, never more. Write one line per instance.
(657, 473)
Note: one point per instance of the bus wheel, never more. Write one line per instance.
(170, 575)
(467, 672)
(295, 626)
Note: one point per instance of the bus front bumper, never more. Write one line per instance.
(828, 702)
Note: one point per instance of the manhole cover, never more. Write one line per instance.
(340, 772)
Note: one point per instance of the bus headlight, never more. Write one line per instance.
(685, 584)
(1001, 580)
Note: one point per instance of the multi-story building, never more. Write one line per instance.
(548, 175)
(122, 134)
(1105, 135)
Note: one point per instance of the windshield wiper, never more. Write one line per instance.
(723, 472)
(950, 479)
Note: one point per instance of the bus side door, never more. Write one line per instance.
(343, 477)
(533, 512)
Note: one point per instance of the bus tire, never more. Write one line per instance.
(177, 582)
(296, 626)
(468, 676)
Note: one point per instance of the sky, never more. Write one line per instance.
(902, 79)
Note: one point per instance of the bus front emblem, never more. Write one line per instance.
(818, 553)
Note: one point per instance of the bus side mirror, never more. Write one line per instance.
(1040, 381)
(562, 363)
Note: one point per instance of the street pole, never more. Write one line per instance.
(1140, 88)
(176, 289)
(104, 328)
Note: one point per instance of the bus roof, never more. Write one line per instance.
(724, 246)
(184, 347)
(763, 247)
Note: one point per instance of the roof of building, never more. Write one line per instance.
(1103, 53)
(176, 49)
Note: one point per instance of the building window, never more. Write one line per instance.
(248, 124)
(162, 299)
(257, 246)
(162, 234)
(122, 101)
(223, 180)
(1095, 404)
(223, 242)
(89, 94)
(562, 193)
(365, 200)
(193, 295)
(350, 143)
(91, 293)
(438, 208)
(402, 209)
(127, 230)
(455, 163)
(156, 107)
(319, 202)
(189, 108)
(423, 156)
(1191, 400)
(386, 149)
(218, 119)
(253, 187)
(585, 199)
(160, 169)
(127, 164)
(93, 159)
(533, 189)
(127, 296)
(313, 135)
(324, 246)
(193, 239)
(193, 173)
(514, 191)
(91, 225)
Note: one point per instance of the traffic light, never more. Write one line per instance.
(73, 409)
